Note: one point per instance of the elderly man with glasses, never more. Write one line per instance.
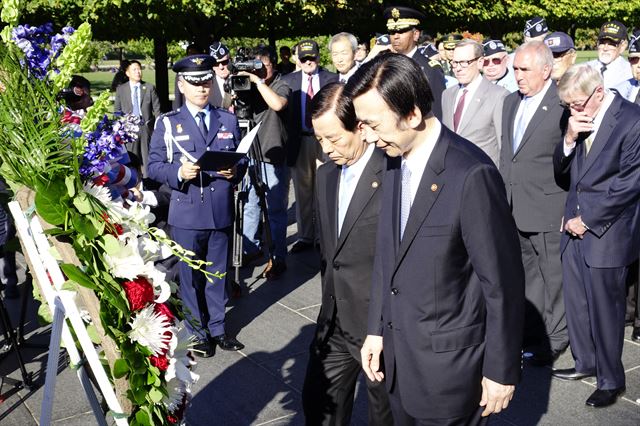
(612, 66)
(495, 65)
(473, 108)
(532, 125)
(601, 229)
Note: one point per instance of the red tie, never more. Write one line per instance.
(458, 112)
(307, 109)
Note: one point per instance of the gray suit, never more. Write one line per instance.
(537, 204)
(482, 120)
(149, 110)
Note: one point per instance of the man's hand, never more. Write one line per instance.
(495, 396)
(188, 170)
(228, 173)
(575, 227)
(579, 122)
(370, 354)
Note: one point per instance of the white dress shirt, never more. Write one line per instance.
(345, 192)
(419, 156)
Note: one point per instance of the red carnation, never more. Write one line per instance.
(162, 308)
(101, 180)
(139, 293)
(119, 229)
(159, 361)
(172, 419)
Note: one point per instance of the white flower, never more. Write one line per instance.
(161, 288)
(102, 193)
(127, 262)
(180, 362)
(176, 390)
(150, 330)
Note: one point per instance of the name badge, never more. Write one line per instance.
(182, 138)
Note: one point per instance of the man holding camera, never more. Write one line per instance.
(268, 99)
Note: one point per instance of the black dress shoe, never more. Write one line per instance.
(300, 246)
(570, 374)
(604, 397)
(227, 343)
(203, 349)
(635, 334)
(249, 258)
(276, 268)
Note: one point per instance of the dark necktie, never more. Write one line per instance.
(307, 109)
(458, 112)
(603, 69)
(202, 125)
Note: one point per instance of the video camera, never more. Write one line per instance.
(241, 62)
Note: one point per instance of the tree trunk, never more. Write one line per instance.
(162, 75)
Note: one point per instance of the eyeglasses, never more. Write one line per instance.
(494, 61)
(402, 31)
(223, 63)
(463, 64)
(579, 106)
(308, 58)
(634, 60)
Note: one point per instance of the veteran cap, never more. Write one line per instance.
(491, 47)
(428, 51)
(450, 41)
(614, 31)
(535, 27)
(218, 51)
(195, 69)
(308, 48)
(559, 42)
(401, 18)
(634, 44)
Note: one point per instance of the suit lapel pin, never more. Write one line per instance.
(544, 107)
(434, 187)
(179, 128)
(374, 184)
(144, 87)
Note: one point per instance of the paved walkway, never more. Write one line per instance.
(261, 385)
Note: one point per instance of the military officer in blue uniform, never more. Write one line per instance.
(201, 207)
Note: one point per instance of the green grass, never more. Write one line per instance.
(101, 80)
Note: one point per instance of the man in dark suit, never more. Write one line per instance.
(601, 154)
(348, 204)
(532, 122)
(141, 99)
(402, 25)
(303, 152)
(447, 293)
(201, 206)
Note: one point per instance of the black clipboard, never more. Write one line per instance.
(214, 161)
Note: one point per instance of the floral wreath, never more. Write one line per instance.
(77, 164)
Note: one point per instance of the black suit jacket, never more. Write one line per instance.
(605, 188)
(536, 197)
(347, 260)
(449, 298)
(294, 111)
(436, 82)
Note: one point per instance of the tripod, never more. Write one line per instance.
(253, 178)
(12, 344)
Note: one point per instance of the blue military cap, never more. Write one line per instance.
(401, 18)
(218, 51)
(491, 47)
(634, 43)
(559, 42)
(195, 69)
(535, 27)
(428, 51)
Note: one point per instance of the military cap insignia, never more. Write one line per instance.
(395, 14)
(197, 61)
(492, 45)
